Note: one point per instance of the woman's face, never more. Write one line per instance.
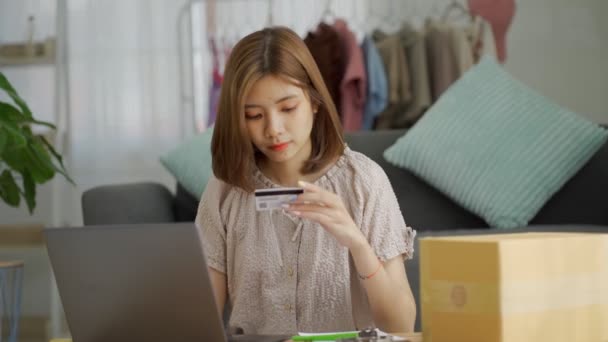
(279, 118)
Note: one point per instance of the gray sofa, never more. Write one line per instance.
(581, 205)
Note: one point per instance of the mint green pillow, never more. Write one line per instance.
(190, 163)
(496, 147)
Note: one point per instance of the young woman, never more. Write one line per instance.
(334, 259)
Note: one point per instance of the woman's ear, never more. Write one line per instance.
(315, 108)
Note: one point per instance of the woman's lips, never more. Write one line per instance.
(279, 147)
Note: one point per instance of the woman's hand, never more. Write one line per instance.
(327, 209)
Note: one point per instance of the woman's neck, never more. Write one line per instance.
(288, 174)
(284, 174)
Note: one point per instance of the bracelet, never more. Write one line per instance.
(369, 276)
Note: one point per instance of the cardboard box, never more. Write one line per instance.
(515, 287)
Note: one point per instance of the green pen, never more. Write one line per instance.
(325, 337)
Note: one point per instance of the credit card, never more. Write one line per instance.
(270, 199)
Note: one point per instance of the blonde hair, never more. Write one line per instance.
(280, 52)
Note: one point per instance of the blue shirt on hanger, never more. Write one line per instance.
(377, 85)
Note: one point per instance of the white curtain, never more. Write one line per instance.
(124, 99)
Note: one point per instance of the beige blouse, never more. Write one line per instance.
(287, 274)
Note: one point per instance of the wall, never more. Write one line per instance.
(560, 48)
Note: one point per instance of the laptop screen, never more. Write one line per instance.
(134, 282)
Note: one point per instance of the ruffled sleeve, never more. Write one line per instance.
(382, 221)
(213, 229)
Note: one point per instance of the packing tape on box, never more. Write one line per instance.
(518, 297)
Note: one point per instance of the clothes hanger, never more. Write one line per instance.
(415, 19)
(434, 11)
(358, 28)
(387, 19)
(373, 21)
(455, 7)
(328, 16)
(269, 17)
(394, 22)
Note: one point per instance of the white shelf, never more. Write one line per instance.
(23, 54)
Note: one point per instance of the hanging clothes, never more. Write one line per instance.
(353, 86)
(441, 58)
(397, 71)
(214, 95)
(499, 14)
(216, 84)
(475, 34)
(482, 39)
(324, 45)
(415, 48)
(377, 85)
(463, 51)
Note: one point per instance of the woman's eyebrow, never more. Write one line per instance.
(285, 98)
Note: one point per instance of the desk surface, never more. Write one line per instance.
(413, 337)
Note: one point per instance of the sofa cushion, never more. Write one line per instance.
(423, 207)
(190, 163)
(583, 199)
(143, 202)
(496, 147)
(185, 206)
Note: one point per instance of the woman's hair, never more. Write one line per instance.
(276, 51)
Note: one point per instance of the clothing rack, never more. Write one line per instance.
(190, 57)
(199, 16)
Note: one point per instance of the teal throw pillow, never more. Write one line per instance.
(496, 147)
(190, 163)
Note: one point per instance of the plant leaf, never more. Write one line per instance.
(15, 157)
(6, 86)
(3, 140)
(26, 158)
(9, 191)
(14, 130)
(22, 152)
(58, 157)
(9, 112)
(29, 187)
(40, 164)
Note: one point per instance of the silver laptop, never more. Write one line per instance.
(145, 282)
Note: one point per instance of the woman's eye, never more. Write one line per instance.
(253, 116)
(290, 109)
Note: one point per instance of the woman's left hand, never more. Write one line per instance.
(327, 209)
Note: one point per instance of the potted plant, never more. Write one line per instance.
(26, 159)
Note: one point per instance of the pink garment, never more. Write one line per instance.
(216, 85)
(499, 13)
(214, 95)
(353, 87)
